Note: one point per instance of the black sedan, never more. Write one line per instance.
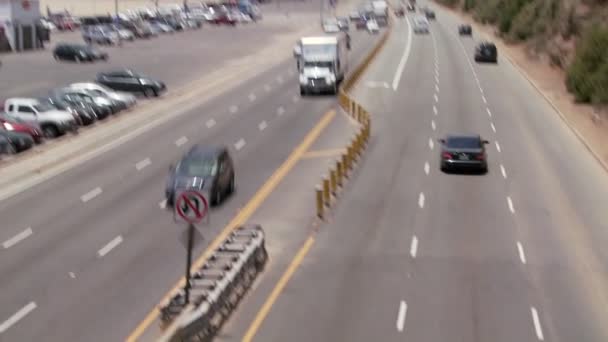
(486, 52)
(463, 152)
(131, 81)
(208, 169)
(18, 141)
(85, 113)
(78, 53)
(465, 30)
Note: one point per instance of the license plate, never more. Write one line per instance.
(464, 157)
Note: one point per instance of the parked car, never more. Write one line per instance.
(91, 97)
(486, 52)
(465, 30)
(466, 152)
(19, 141)
(399, 11)
(12, 124)
(100, 35)
(343, 24)
(85, 114)
(137, 28)
(209, 169)
(5, 146)
(52, 121)
(131, 81)
(100, 112)
(123, 33)
(372, 26)
(129, 100)
(78, 53)
(224, 19)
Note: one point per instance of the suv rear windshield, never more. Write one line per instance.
(463, 142)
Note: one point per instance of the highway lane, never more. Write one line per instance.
(66, 247)
(514, 255)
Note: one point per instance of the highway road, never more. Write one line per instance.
(87, 254)
(414, 254)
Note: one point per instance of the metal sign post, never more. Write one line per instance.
(191, 207)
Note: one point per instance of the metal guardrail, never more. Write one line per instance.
(216, 288)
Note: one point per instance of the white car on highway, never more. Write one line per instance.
(421, 25)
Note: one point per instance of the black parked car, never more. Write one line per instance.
(18, 141)
(466, 152)
(131, 81)
(78, 53)
(85, 113)
(209, 169)
(465, 30)
(101, 112)
(486, 52)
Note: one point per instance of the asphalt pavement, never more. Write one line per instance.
(415, 254)
(86, 254)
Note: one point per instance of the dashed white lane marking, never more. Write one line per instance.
(17, 238)
(267, 87)
(91, 194)
(510, 203)
(239, 144)
(435, 111)
(109, 246)
(436, 88)
(233, 109)
(19, 315)
(162, 204)
(295, 98)
(436, 98)
(484, 99)
(481, 90)
(436, 79)
(436, 72)
(503, 171)
(497, 146)
(431, 144)
(280, 79)
(493, 127)
(401, 315)
(280, 111)
(522, 255)
(404, 57)
(262, 125)
(181, 141)
(210, 123)
(142, 164)
(421, 200)
(414, 247)
(252, 97)
(433, 126)
(72, 275)
(537, 326)
(427, 168)
(489, 112)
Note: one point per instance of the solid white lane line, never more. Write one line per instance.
(497, 146)
(493, 127)
(414, 247)
(503, 171)
(267, 87)
(239, 144)
(436, 88)
(142, 164)
(421, 200)
(404, 57)
(179, 142)
(484, 99)
(91, 194)
(433, 126)
(233, 109)
(489, 112)
(252, 97)
(280, 111)
(427, 168)
(481, 90)
(109, 246)
(295, 98)
(436, 98)
(210, 123)
(401, 315)
(431, 144)
(522, 255)
(537, 326)
(19, 315)
(162, 204)
(262, 125)
(17, 238)
(435, 111)
(510, 203)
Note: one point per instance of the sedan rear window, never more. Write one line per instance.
(197, 167)
(463, 142)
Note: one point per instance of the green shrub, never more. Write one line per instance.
(450, 3)
(468, 5)
(587, 75)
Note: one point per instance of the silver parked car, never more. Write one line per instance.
(128, 99)
(100, 35)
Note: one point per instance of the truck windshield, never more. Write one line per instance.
(319, 64)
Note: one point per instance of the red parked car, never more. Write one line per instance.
(225, 18)
(20, 126)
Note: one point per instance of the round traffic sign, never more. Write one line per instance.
(191, 206)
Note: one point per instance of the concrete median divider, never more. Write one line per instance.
(337, 175)
(216, 288)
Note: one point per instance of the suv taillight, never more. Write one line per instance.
(446, 155)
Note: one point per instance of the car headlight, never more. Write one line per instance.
(8, 126)
(303, 79)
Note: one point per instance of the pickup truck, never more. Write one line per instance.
(52, 121)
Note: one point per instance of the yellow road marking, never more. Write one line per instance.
(251, 206)
(276, 292)
(323, 153)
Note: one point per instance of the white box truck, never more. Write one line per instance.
(322, 62)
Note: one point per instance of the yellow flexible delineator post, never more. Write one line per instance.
(320, 206)
(326, 195)
(333, 181)
(339, 172)
(345, 170)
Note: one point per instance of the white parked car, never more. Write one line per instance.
(372, 26)
(101, 90)
(100, 35)
(123, 33)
